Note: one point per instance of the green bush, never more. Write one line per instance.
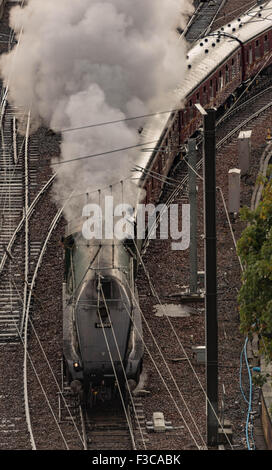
(255, 251)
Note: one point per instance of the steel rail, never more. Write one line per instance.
(208, 28)
(26, 400)
(244, 123)
(82, 414)
(235, 109)
(15, 155)
(84, 432)
(28, 214)
(199, 163)
(25, 325)
(26, 222)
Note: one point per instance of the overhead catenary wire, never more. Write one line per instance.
(234, 11)
(154, 176)
(164, 177)
(230, 226)
(114, 371)
(179, 341)
(157, 369)
(116, 121)
(242, 269)
(245, 91)
(101, 154)
(55, 380)
(25, 319)
(48, 362)
(123, 369)
(45, 396)
(131, 118)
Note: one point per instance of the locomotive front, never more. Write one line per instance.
(102, 331)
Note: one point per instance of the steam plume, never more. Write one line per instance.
(93, 61)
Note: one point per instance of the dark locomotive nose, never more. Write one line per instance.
(103, 324)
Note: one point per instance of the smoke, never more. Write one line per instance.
(88, 62)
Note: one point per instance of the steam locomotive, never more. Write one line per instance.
(102, 328)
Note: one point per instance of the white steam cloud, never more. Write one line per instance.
(88, 61)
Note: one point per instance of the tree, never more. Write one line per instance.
(255, 250)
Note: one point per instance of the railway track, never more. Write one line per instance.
(202, 20)
(252, 106)
(18, 171)
(18, 256)
(99, 429)
(106, 425)
(106, 428)
(109, 429)
(13, 176)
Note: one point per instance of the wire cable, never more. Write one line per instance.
(156, 367)
(106, 123)
(44, 393)
(48, 363)
(115, 373)
(123, 369)
(234, 11)
(101, 154)
(249, 415)
(179, 342)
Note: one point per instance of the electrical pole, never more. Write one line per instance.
(211, 276)
(193, 214)
(209, 157)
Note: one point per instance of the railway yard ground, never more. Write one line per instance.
(169, 273)
(161, 278)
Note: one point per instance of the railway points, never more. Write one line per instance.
(64, 423)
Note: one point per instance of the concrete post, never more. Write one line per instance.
(234, 190)
(244, 151)
(193, 214)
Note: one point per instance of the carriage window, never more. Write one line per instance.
(257, 50)
(232, 69)
(191, 110)
(211, 89)
(205, 96)
(221, 81)
(266, 44)
(227, 74)
(250, 55)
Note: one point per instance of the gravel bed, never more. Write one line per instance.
(169, 271)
